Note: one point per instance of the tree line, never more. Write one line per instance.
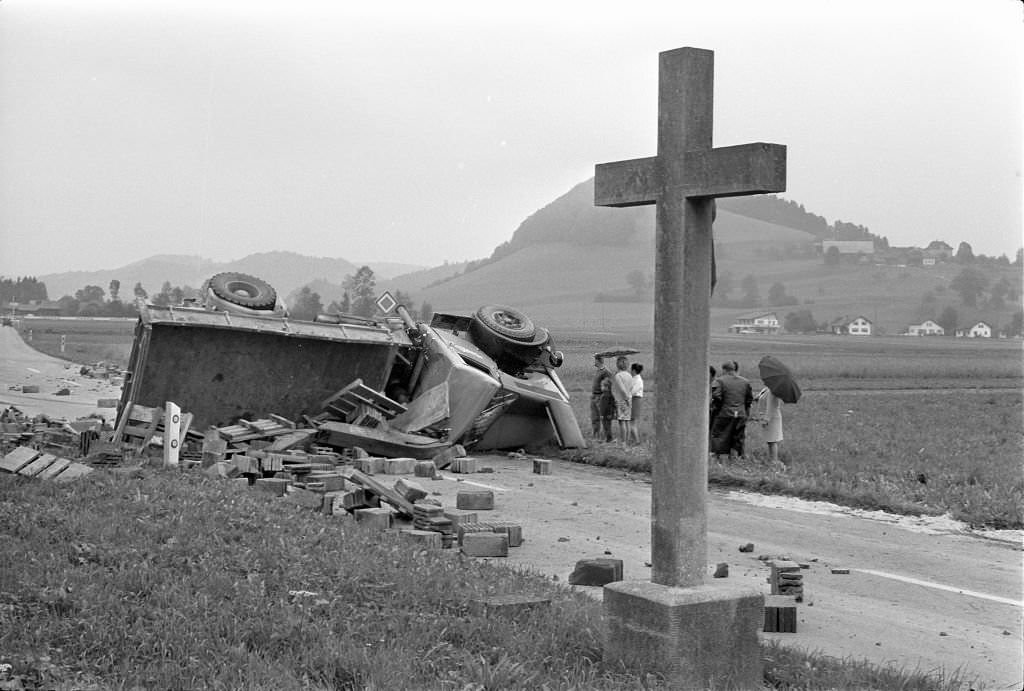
(359, 298)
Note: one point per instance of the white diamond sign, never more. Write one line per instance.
(386, 302)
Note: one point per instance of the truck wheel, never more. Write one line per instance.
(506, 322)
(244, 290)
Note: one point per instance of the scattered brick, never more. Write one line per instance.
(425, 538)
(464, 465)
(475, 500)
(599, 571)
(375, 519)
(721, 570)
(779, 614)
(425, 469)
(399, 466)
(485, 544)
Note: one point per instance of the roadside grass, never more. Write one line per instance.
(172, 580)
(955, 453)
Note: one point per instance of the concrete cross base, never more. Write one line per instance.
(698, 637)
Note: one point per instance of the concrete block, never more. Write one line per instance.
(721, 570)
(466, 528)
(349, 500)
(247, 464)
(485, 544)
(30, 388)
(475, 500)
(272, 485)
(459, 517)
(375, 519)
(513, 530)
(598, 571)
(541, 466)
(464, 465)
(331, 482)
(425, 469)
(704, 636)
(409, 490)
(399, 466)
(779, 614)
(423, 538)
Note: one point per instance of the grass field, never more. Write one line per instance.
(169, 580)
(910, 425)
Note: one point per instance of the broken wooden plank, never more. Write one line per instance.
(73, 472)
(55, 469)
(18, 459)
(385, 493)
(38, 465)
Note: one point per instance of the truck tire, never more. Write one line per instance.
(244, 290)
(507, 323)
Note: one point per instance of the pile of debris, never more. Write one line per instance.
(278, 456)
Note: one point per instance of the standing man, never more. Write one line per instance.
(731, 396)
(622, 388)
(595, 396)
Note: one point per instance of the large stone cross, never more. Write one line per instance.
(683, 180)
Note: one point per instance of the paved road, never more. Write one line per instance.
(920, 594)
(21, 364)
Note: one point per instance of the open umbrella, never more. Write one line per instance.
(779, 380)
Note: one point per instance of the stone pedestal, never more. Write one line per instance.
(698, 637)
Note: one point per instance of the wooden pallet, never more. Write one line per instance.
(358, 402)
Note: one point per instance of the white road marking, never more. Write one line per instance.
(940, 586)
(477, 484)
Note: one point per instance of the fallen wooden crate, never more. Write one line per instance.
(256, 429)
(30, 462)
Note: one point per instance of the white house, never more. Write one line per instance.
(926, 328)
(978, 330)
(767, 323)
(857, 326)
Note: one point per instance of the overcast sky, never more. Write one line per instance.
(427, 132)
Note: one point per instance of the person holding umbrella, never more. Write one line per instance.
(780, 387)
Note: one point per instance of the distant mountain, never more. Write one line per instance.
(286, 271)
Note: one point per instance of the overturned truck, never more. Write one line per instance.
(393, 386)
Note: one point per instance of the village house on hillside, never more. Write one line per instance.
(937, 250)
(766, 323)
(978, 329)
(926, 328)
(850, 250)
(855, 326)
